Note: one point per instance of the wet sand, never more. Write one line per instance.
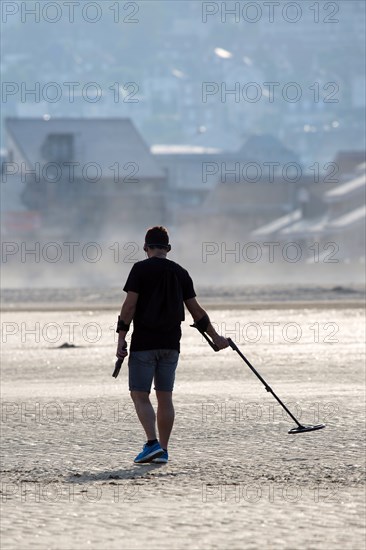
(235, 479)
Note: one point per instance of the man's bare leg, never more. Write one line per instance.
(165, 416)
(145, 412)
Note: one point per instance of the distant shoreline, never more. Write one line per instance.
(212, 297)
(242, 305)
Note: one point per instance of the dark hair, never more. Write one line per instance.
(157, 236)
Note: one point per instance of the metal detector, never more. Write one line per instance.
(300, 427)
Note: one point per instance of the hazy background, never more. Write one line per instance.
(197, 99)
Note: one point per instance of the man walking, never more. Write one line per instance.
(156, 290)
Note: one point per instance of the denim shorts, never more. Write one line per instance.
(157, 364)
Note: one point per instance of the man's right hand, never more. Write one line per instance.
(220, 342)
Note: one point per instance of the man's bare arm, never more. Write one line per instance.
(129, 307)
(197, 313)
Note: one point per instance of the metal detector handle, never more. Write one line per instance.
(232, 344)
(214, 347)
(212, 344)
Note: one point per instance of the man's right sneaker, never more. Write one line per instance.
(162, 459)
(148, 453)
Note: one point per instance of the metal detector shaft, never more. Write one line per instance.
(268, 388)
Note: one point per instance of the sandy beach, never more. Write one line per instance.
(236, 479)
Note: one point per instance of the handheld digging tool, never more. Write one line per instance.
(300, 428)
(117, 366)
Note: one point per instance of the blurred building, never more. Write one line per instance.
(329, 217)
(184, 166)
(84, 174)
(247, 185)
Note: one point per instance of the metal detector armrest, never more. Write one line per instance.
(212, 344)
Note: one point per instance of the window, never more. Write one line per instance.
(58, 148)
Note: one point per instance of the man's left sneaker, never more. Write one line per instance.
(148, 453)
(162, 459)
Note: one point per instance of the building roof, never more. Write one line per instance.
(278, 224)
(106, 141)
(184, 150)
(348, 160)
(267, 148)
(339, 193)
(348, 219)
(304, 227)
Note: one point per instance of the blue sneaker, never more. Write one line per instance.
(162, 459)
(148, 453)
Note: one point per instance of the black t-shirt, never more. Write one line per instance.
(144, 278)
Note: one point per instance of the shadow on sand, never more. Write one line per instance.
(136, 472)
